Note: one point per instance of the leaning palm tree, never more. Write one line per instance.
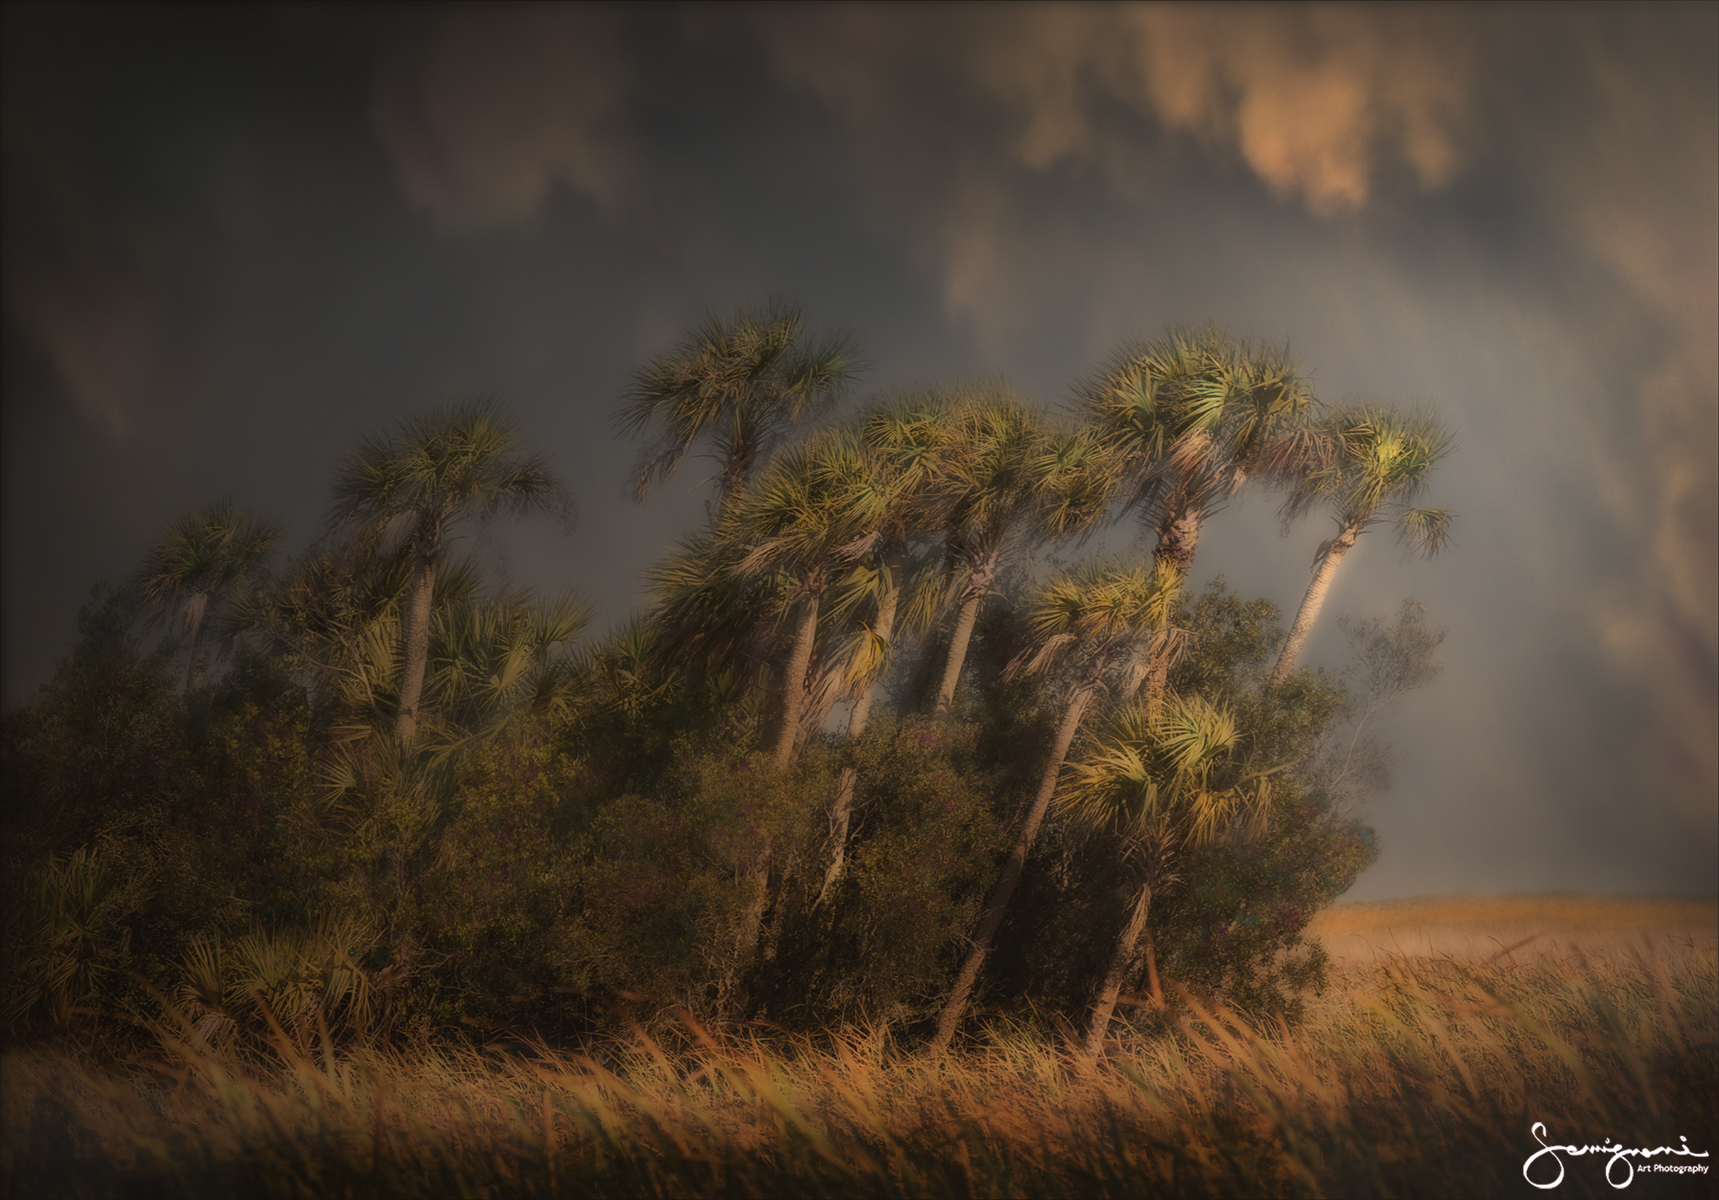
(196, 568)
(1006, 475)
(1100, 616)
(1375, 463)
(1194, 416)
(903, 443)
(810, 513)
(738, 384)
(417, 483)
(1160, 779)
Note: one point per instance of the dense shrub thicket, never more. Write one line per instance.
(689, 814)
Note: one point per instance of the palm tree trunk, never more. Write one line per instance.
(197, 678)
(794, 682)
(1172, 558)
(739, 456)
(1154, 988)
(417, 647)
(1114, 974)
(841, 813)
(997, 903)
(978, 585)
(1314, 600)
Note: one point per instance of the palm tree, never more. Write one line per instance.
(1099, 615)
(904, 442)
(1160, 779)
(418, 483)
(198, 565)
(810, 512)
(1194, 416)
(333, 620)
(1374, 463)
(498, 659)
(740, 384)
(1004, 473)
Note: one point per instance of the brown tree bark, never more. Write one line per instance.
(1111, 988)
(1172, 558)
(417, 641)
(794, 681)
(1323, 572)
(997, 903)
(841, 812)
(978, 586)
(197, 677)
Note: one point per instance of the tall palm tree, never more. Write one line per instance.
(1099, 615)
(904, 442)
(810, 512)
(1161, 779)
(198, 565)
(739, 384)
(332, 618)
(419, 482)
(1005, 474)
(1195, 415)
(1374, 463)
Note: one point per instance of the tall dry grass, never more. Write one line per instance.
(1417, 1077)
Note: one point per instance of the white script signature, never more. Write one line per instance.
(1618, 1154)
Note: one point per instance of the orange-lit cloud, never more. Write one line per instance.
(483, 110)
(1315, 99)
(1334, 107)
(1639, 192)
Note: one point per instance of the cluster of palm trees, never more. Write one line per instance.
(923, 498)
(823, 556)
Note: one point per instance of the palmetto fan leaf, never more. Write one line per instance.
(492, 659)
(202, 555)
(708, 615)
(415, 484)
(198, 568)
(1102, 606)
(1187, 410)
(1373, 457)
(1425, 531)
(738, 384)
(455, 460)
(1148, 768)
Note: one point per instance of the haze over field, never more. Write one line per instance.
(237, 240)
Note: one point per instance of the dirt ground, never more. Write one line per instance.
(1514, 928)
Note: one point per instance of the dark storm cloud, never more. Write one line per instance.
(1510, 214)
(75, 272)
(1604, 127)
(483, 110)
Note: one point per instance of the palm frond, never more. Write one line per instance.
(1426, 531)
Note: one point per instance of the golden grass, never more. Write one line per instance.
(1418, 1076)
(1514, 929)
(1565, 914)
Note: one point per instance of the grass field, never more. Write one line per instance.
(1420, 1072)
(1509, 925)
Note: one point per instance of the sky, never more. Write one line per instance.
(237, 239)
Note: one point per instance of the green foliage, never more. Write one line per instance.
(264, 983)
(926, 834)
(96, 753)
(1235, 928)
(67, 944)
(574, 837)
(1078, 887)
